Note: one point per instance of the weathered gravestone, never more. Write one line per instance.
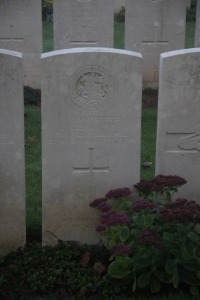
(178, 134)
(91, 115)
(153, 27)
(12, 182)
(83, 23)
(197, 28)
(21, 30)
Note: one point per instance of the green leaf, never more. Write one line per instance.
(175, 278)
(187, 253)
(171, 240)
(194, 291)
(193, 237)
(191, 265)
(155, 285)
(164, 277)
(118, 271)
(134, 286)
(142, 262)
(124, 234)
(121, 267)
(198, 275)
(188, 277)
(171, 265)
(144, 280)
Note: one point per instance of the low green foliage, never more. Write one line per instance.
(154, 242)
(69, 269)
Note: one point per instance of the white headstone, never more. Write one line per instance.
(153, 27)
(197, 28)
(91, 115)
(178, 133)
(12, 179)
(21, 30)
(118, 5)
(83, 23)
(189, 3)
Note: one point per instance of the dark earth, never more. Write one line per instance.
(150, 98)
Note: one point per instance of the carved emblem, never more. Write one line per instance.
(192, 142)
(91, 87)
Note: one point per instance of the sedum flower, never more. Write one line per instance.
(142, 205)
(117, 193)
(183, 210)
(104, 207)
(148, 236)
(95, 203)
(160, 182)
(113, 218)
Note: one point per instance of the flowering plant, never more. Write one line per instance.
(152, 243)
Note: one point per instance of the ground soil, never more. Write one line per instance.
(150, 98)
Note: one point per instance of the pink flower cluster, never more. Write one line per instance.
(143, 205)
(148, 236)
(159, 182)
(182, 210)
(117, 193)
(113, 218)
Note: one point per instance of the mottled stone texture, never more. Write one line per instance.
(91, 121)
(12, 181)
(21, 30)
(178, 132)
(83, 23)
(153, 27)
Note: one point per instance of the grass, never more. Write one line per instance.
(33, 170)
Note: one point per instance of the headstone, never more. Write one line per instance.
(91, 115)
(12, 179)
(118, 5)
(178, 133)
(21, 30)
(189, 3)
(197, 29)
(153, 27)
(83, 23)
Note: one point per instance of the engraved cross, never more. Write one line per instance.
(11, 38)
(91, 170)
(84, 41)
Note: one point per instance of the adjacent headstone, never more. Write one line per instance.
(83, 23)
(153, 27)
(91, 115)
(178, 133)
(197, 28)
(118, 4)
(21, 30)
(12, 179)
(189, 3)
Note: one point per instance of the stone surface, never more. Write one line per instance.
(178, 135)
(21, 30)
(91, 119)
(153, 27)
(83, 23)
(12, 179)
(118, 5)
(197, 28)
